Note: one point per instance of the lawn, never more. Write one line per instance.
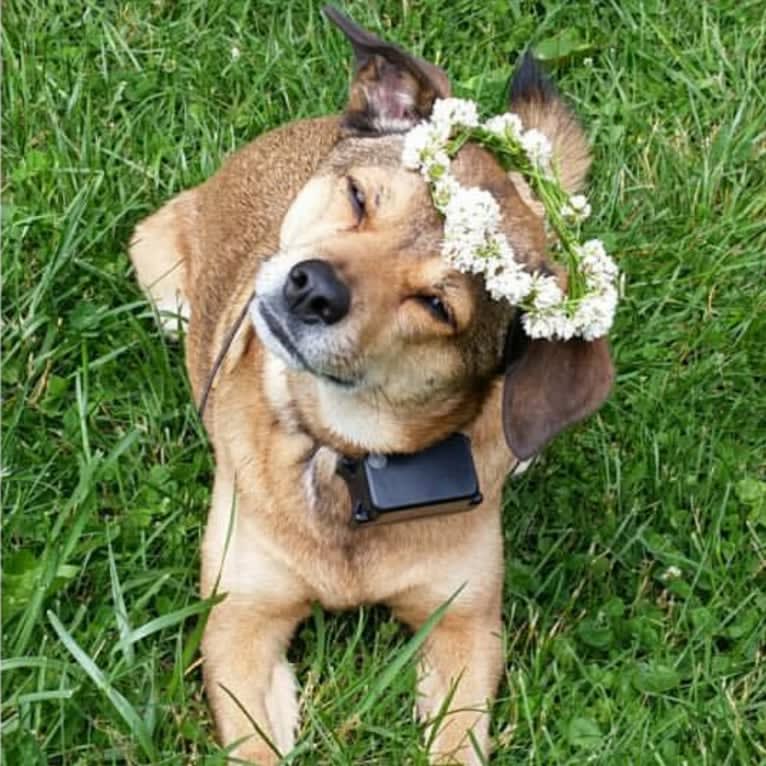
(635, 600)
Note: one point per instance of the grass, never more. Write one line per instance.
(635, 596)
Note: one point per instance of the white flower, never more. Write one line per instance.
(465, 257)
(435, 164)
(595, 313)
(593, 248)
(448, 112)
(553, 323)
(579, 202)
(546, 292)
(474, 244)
(577, 209)
(472, 209)
(506, 280)
(538, 149)
(547, 315)
(505, 125)
(671, 573)
(235, 53)
(504, 250)
(599, 269)
(470, 217)
(422, 142)
(536, 326)
(564, 328)
(414, 142)
(443, 190)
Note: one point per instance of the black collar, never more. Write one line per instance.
(437, 480)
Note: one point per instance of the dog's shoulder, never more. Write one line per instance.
(243, 203)
(238, 214)
(270, 169)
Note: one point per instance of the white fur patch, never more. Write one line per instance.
(275, 383)
(339, 410)
(246, 566)
(272, 345)
(318, 474)
(282, 707)
(357, 422)
(385, 124)
(173, 310)
(160, 267)
(303, 223)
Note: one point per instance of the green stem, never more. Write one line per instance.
(548, 191)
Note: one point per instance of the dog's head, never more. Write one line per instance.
(359, 299)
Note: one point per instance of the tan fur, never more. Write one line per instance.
(570, 147)
(278, 431)
(160, 253)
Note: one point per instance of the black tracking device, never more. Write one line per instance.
(388, 488)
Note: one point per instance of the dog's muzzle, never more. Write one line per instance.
(298, 312)
(314, 294)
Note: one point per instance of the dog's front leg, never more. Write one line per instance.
(457, 677)
(247, 633)
(249, 684)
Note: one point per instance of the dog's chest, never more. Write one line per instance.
(346, 565)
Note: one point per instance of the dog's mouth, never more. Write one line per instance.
(279, 333)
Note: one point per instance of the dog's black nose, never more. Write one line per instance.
(314, 293)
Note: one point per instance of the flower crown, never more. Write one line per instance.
(473, 242)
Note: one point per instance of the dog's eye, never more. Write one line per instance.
(357, 197)
(437, 307)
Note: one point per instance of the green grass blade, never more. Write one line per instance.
(405, 656)
(120, 611)
(166, 621)
(256, 727)
(126, 711)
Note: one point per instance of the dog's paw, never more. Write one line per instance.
(282, 707)
(258, 754)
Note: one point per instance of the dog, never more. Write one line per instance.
(359, 339)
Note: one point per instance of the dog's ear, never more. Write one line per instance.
(537, 101)
(551, 385)
(391, 90)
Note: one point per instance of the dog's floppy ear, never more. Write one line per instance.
(391, 90)
(552, 385)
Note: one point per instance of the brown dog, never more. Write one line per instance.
(361, 340)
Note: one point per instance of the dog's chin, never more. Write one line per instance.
(277, 340)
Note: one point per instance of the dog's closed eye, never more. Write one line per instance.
(357, 198)
(438, 308)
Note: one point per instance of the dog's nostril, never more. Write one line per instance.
(315, 294)
(299, 278)
(321, 307)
